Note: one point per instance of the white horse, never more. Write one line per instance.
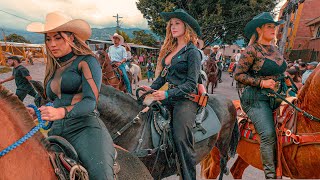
(136, 74)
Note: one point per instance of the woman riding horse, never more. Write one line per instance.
(179, 62)
(72, 82)
(259, 67)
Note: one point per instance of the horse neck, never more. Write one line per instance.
(309, 101)
(15, 122)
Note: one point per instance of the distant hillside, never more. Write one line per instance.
(100, 34)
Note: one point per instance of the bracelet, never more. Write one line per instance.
(261, 84)
(166, 94)
(65, 111)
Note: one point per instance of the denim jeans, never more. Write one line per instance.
(125, 78)
(260, 113)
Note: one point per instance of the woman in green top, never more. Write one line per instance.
(72, 82)
(179, 62)
(259, 67)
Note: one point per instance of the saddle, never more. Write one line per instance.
(207, 124)
(65, 160)
(284, 118)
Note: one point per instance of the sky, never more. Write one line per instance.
(98, 13)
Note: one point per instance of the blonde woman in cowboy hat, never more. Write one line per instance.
(179, 63)
(72, 82)
(118, 55)
(260, 65)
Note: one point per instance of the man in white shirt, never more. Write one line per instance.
(238, 55)
(118, 55)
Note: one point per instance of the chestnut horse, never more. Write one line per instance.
(31, 160)
(302, 161)
(212, 73)
(111, 75)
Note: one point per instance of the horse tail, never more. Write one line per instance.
(235, 137)
(139, 75)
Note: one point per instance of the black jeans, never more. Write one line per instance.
(23, 93)
(260, 114)
(183, 118)
(92, 141)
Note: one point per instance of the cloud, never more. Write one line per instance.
(99, 13)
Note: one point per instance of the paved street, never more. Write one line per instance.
(224, 88)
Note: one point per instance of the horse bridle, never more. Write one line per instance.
(104, 75)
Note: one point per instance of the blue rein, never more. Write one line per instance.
(41, 124)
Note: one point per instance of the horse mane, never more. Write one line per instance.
(25, 120)
(107, 90)
(309, 87)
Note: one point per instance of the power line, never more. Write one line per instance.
(15, 15)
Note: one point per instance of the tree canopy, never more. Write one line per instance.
(219, 19)
(124, 35)
(16, 38)
(141, 37)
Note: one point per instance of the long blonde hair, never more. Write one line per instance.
(79, 47)
(255, 37)
(170, 43)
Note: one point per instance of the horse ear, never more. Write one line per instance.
(38, 86)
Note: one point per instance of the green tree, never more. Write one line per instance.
(16, 38)
(219, 19)
(141, 37)
(124, 35)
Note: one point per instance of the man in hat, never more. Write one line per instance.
(238, 55)
(310, 66)
(302, 68)
(118, 55)
(217, 56)
(22, 77)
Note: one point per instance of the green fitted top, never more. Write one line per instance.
(76, 84)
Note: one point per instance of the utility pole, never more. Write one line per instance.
(118, 17)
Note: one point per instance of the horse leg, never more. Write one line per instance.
(238, 168)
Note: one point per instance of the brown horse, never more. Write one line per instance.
(301, 160)
(31, 160)
(111, 74)
(212, 73)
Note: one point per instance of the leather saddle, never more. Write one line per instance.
(207, 123)
(65, 160)
(284, 117)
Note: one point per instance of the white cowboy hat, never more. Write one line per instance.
(201, 43)
(216, 46)
(242, 49)
(118, 36)
(58, 21)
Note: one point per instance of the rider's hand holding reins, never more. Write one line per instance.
(49, 113)
(270, 83)
(159, 95)
(146, 88)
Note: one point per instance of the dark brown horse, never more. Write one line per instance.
(212, 73)
(111, 74)
(118, 109)
(302, 161)
(31, 160)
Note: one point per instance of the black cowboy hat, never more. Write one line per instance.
(185, 17)
(258, 21)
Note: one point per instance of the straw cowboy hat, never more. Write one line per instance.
(258, 21)
(118, 36)
(58, 21)
(185, 17)
(201, 43)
